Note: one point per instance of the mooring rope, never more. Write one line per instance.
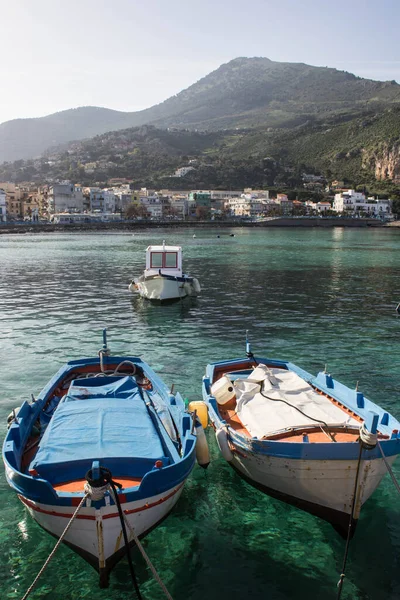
(353, 504)
(389, 468)
(128, 551)
(145, 556)
(368, 439)
(60, 539)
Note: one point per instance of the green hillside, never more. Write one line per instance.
(337, 149)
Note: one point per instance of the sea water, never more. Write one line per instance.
(314, 296)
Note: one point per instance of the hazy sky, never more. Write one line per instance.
(131, 54)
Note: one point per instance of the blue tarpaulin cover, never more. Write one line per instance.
(98, 421)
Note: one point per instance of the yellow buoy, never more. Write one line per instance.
(201, 410)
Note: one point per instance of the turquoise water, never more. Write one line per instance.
(311, 296)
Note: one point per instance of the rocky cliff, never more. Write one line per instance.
(384, 161)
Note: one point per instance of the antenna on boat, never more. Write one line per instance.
(249, 353)
(357, 386)
(326, 367)
(163, 245)
(248, 345)
(105, 349)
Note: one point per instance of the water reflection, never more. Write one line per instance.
(165, 314)
(310, 296)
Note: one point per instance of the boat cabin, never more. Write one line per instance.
(167, 259)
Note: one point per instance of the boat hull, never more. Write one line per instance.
(163, 289)
(323, 488)
(96, 533)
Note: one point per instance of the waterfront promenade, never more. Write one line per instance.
(133, 225)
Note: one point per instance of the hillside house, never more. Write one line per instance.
(182, 171)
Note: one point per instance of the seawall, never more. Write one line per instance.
(10, 228)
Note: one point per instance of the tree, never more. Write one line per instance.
(202, 213)
(134, 211)
(396, 207)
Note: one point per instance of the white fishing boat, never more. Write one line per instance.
(163, 278)
(101, 456)
(307, 440)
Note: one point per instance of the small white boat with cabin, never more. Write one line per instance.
(163, 279)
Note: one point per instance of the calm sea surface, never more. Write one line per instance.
(315, 297)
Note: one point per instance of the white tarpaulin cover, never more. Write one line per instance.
(262, 417)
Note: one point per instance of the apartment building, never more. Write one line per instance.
(65, 197)
(355, 203)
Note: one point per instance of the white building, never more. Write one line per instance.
(179, 205)
(153, 205)
(225, 194)
(124, 196)
(103, 201)
(348, 200)
(247, 206)
(65, 197)
(3, 206)
(320, 207)
(182, 171)
(355, 203)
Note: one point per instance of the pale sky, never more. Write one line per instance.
(132, 54)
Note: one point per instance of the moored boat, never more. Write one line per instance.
(163, 279)
(307, 440)
(106, 435)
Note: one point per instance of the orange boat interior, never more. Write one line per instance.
(315, 433)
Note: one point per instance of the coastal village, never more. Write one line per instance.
(68, 202)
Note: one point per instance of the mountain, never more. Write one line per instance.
(27, 138)
(244, 93)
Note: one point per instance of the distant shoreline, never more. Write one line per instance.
(325, 222)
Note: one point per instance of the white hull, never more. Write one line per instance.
(323, 487)
(161, 288)
(97, 533)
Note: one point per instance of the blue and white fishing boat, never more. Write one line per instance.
(307, 440)
(163, 279)
(106, 436)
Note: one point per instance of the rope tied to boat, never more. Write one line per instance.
(368, 439)
(99, 481)
(350, 527)
(52, 553)
(389, 468)
(143, 553)
(97, 487)
(96, 493)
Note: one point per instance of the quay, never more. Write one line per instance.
(132, 225)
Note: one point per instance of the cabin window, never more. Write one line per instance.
(164, 260)
(171, 260)
(156, 260)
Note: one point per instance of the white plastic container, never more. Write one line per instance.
(223, 390)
